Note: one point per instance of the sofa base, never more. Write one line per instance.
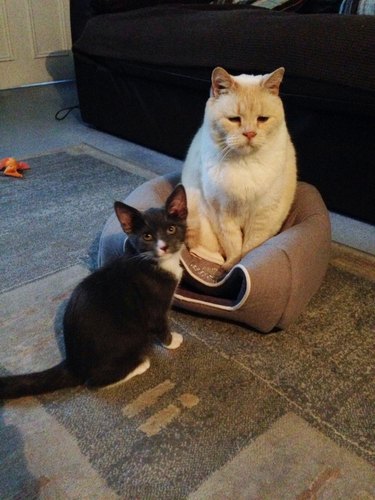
(161, 109)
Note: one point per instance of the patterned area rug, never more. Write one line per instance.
(231, 414)
(49, 219)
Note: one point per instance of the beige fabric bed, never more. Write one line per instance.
(270, 287)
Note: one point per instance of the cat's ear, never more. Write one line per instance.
(128, 217)
(221, 81)
(176, 204)
(273, 81)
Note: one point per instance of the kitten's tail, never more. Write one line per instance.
(31, 384)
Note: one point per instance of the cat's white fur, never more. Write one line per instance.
(176, 341)
(240, 171)
(138, 370)
(170, 262)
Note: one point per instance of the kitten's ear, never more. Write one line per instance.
(273, 81)
(176, 204)
(127, 216)
(221, 81)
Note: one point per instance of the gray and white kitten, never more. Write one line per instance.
(115, 314)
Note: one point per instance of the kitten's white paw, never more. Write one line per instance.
(143, 367)
(205, 254)
(177, 339)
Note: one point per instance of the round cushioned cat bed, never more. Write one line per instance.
(271, 285)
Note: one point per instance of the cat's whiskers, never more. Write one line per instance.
(224, 151)
(144, 256)
(228, 146)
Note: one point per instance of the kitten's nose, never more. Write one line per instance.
(162, 247)
(250, 134)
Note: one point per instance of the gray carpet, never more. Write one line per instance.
(50, 218)
(231, 414)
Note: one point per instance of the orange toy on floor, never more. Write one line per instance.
(11, 167)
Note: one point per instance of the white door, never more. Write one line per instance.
(35, 42)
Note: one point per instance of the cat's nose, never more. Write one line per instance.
(250, 134)
(162, 247)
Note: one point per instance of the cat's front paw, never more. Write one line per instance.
(229, 264)
(226, 267)
(176, 341)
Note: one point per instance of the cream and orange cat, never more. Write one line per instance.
(240, 171)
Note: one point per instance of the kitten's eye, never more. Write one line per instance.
(171, 230)
(147, 237)
(234, 119)
(262, 119)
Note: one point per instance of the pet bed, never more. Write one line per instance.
(271, 285)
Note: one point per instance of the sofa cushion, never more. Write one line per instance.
(331, 49)
(108, 6)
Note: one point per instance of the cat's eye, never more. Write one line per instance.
(262, 119)
(171, 230)
(147, 237)
(234, 119)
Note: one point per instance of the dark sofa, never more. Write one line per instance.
(143, 73)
